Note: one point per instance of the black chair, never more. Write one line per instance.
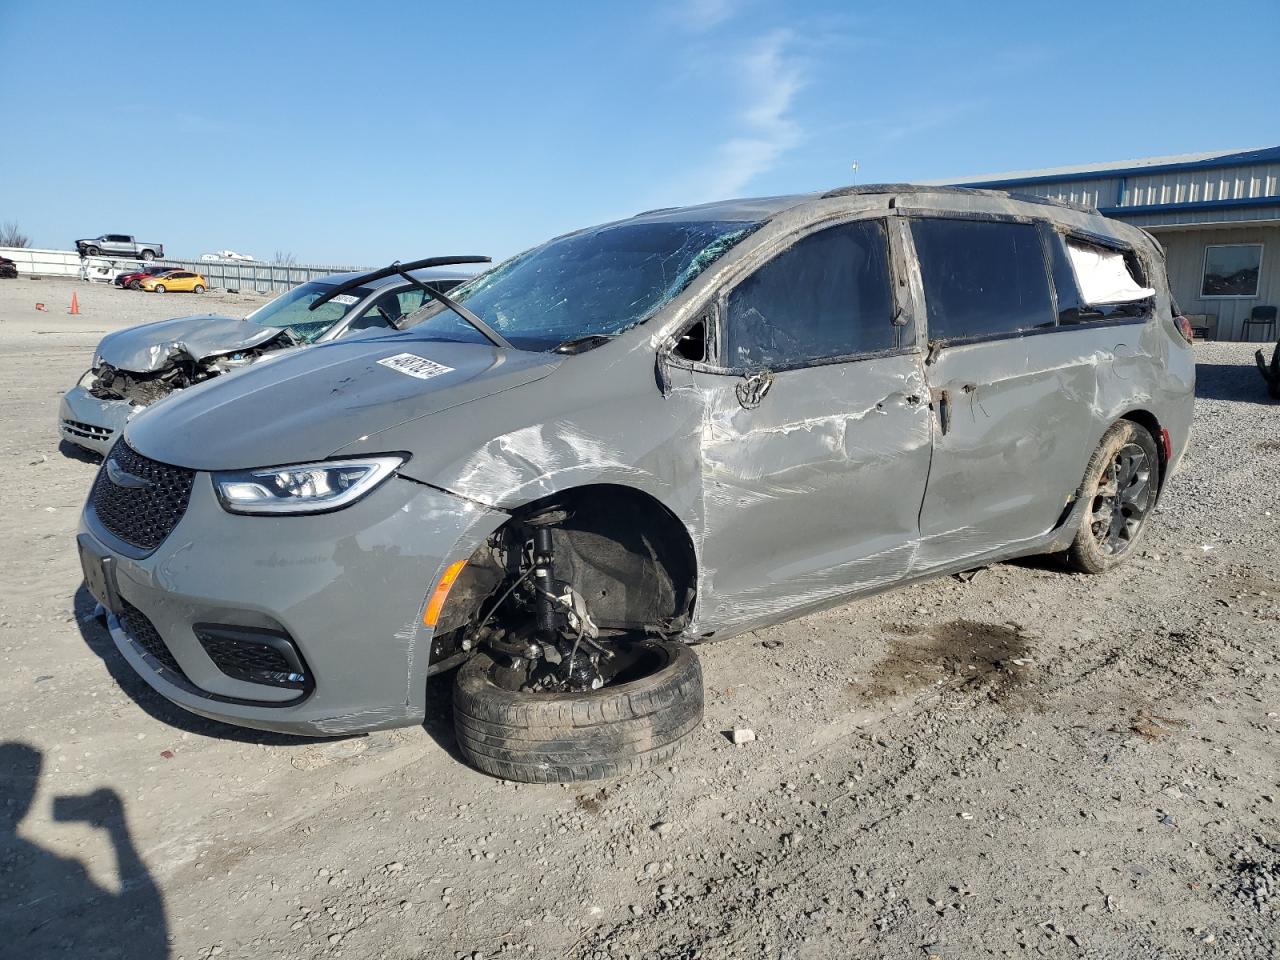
(1261, 317)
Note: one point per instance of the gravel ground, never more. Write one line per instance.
(1027, 762)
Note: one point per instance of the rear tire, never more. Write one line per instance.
(1119, 492)
(567, 737)
(148, 255)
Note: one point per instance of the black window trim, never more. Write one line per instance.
(1097, 239)
(714, 309)
(708, 313)
(1040, 223)
(1038, 331)
(1109, 243)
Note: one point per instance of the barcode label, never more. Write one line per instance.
(415, 366)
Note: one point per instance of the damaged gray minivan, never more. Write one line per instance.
(632, 439)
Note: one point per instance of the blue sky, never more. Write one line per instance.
(361, 133)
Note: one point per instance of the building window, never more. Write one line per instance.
(1231, 270)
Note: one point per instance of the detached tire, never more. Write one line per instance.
(564, 737)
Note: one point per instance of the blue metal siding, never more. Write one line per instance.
(1204, 191)
(1248, 158)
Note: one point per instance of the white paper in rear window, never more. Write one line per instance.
(1103, 275)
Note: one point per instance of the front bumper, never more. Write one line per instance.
(347, 587)
(91, 423)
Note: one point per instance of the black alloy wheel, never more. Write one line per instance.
(1119, 492)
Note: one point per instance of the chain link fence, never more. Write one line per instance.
(245, 276)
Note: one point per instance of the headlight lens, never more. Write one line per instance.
(303, 488)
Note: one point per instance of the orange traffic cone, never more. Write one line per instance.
(75, 304)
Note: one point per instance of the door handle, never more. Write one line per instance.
(942, 403)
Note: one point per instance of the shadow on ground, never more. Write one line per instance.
(49, 904)
(439, 719)
(72, 452)
(1238, 382)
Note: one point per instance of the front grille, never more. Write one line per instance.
(256, 656)
(141, 515)
(87, 430)
(143, 632)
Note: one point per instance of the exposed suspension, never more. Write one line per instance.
(560, 650)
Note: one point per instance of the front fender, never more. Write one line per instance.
(536, 461)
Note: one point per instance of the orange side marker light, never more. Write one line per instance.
(441, 593)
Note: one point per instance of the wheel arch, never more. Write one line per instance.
(633, 559)
(625, 543)
(1148, 421)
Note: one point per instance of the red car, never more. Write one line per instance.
(133, 280)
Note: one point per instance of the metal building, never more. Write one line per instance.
(1217, 215)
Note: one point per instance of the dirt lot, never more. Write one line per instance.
(1027, 762)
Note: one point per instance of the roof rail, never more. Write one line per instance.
(915, 188)
(1049, 201)
(898, 188)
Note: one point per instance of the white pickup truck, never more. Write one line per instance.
(119, 245)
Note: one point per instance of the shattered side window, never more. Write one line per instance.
(827, 296)
(597, 282)
(1095, 282)
(982, 278)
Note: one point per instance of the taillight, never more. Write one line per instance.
(1184, 328)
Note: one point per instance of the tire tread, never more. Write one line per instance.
(558, 738)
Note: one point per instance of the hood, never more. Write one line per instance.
(148, 348)
(308, 403)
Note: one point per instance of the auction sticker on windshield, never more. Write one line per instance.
(345, 299)
(415, 366)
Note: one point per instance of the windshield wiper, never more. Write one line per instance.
(492, 335)
(403, 270)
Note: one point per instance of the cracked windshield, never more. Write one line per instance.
(597, 282)
(290, 310)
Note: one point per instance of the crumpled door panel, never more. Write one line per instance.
(813, 493)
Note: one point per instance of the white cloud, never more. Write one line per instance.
(910, 124)
(699, 16)
(769, 76)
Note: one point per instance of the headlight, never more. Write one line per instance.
(304, 488)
